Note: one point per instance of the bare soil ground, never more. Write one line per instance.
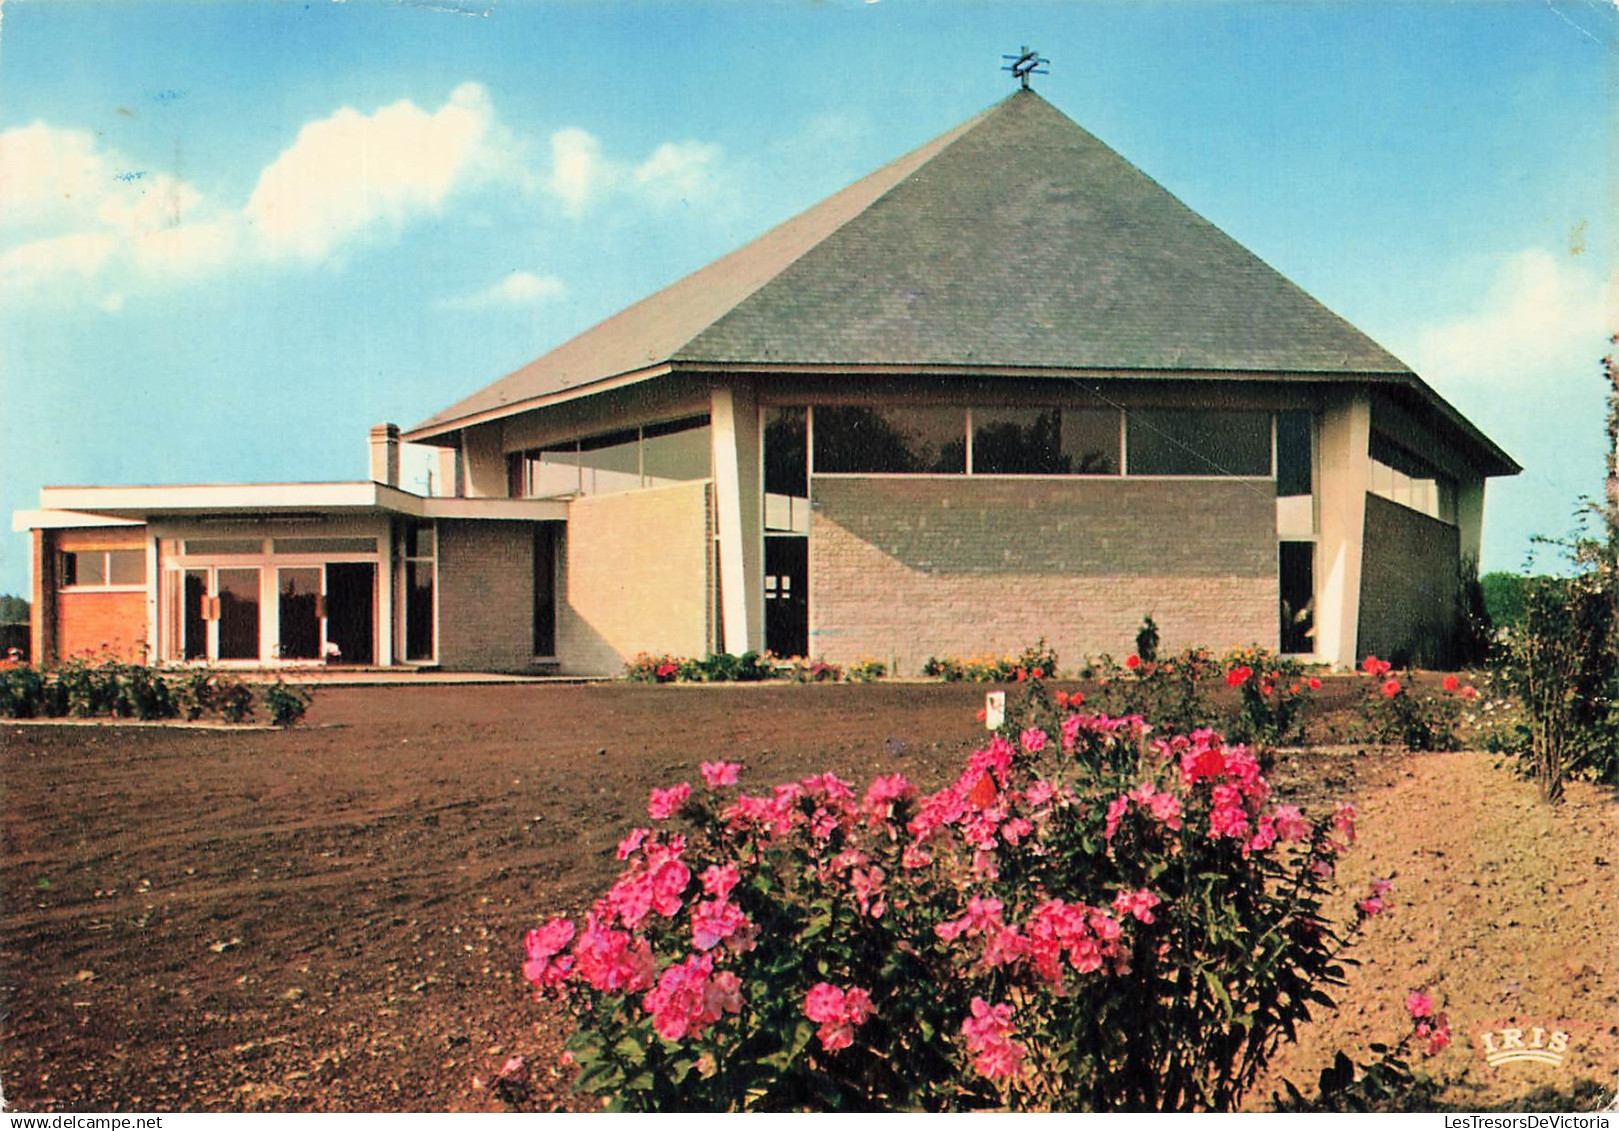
(330, 918)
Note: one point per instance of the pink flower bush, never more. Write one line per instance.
(1067, 867)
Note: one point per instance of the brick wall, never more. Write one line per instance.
(1407, 585)
(635, 578)
(486, 595)
(83, 622)
(901, 569)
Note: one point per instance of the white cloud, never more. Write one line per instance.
(579, 173)
(49, 176)
(582, 176)
(40, 263)
(1544, 317)
(519, 289)
(352, 173)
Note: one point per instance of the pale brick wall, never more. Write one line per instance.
(901, 569)
(1408, 585)
(635, 578)
(486, 595)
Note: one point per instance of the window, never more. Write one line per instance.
(674, 451)
(102, 569)
(1045, 441)
(860, 440)
(325, 545)
(545, 589)
(224, 545)
(786, 470)
(1407, 479)
(1297, 577)
(1197, 442)
(420, 546)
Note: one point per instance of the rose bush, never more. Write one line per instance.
(1090, 916)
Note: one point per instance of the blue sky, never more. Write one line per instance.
(235, 235)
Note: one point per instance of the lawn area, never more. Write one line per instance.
(331, 917)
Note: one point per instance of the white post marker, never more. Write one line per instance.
(994, 709)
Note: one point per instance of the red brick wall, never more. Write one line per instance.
(79, 622)
(1408, 581)
(901, 569)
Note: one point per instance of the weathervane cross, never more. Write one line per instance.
(1026, 64)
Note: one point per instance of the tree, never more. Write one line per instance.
(13, 609)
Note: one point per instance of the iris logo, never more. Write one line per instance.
(1504, 1046)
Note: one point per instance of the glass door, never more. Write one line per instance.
(299, 613)
(237, 606)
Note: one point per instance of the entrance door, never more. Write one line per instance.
(787, 596)
(299, 613)
(351, 600)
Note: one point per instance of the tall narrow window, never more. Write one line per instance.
(421, 555)
(545, 589)
(1295, 475)
(786, 471)
(1297, 577)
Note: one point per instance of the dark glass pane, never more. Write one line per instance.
(298, 595)
(786, 457)
(1293, 460)
(196, 623)
(419, 540)
(224, 545)
(1298, 596)
(419, 610)
(325, 545)
(351, 611)
(1197, 442)
(1045, 441)
(545, 590)
(890, 440)
(238, 614)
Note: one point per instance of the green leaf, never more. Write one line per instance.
(630, 1049)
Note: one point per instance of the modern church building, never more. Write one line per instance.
(1004, 388)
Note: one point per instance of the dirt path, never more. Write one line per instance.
(1506, 912)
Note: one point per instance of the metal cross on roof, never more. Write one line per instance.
(1024, 65)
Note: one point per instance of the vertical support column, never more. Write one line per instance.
(42, 621)
(483, 468)
(1470, 518)
(734, 421)
(387, 587)
(154, 580)
(1346, 471)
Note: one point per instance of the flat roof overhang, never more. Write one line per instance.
(90, 506)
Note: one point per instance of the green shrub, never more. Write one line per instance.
(866, 670)
(285, 704)
(1396, 714)
(1038, 661)
(22, 691)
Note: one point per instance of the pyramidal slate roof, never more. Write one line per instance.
(1015, 240)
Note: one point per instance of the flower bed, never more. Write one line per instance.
(104, 687)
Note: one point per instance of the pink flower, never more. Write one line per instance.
(690, 997)
(1470, 692)
(1137, 903)
(1116, 809)
(1343, 819)
(1290, 824)
(715, 920)
(1371, 906)
(541, 946)
(719, 774)
(989, 1039)
(838, 1012)
(719, 879)
(665, 803)
(883, 793)
(1166, 807)
(627, 846)
(610, 960)
(1033, 740)
(1418, 1004)
(1437, 1035)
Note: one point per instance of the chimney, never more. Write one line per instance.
(385, 454)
